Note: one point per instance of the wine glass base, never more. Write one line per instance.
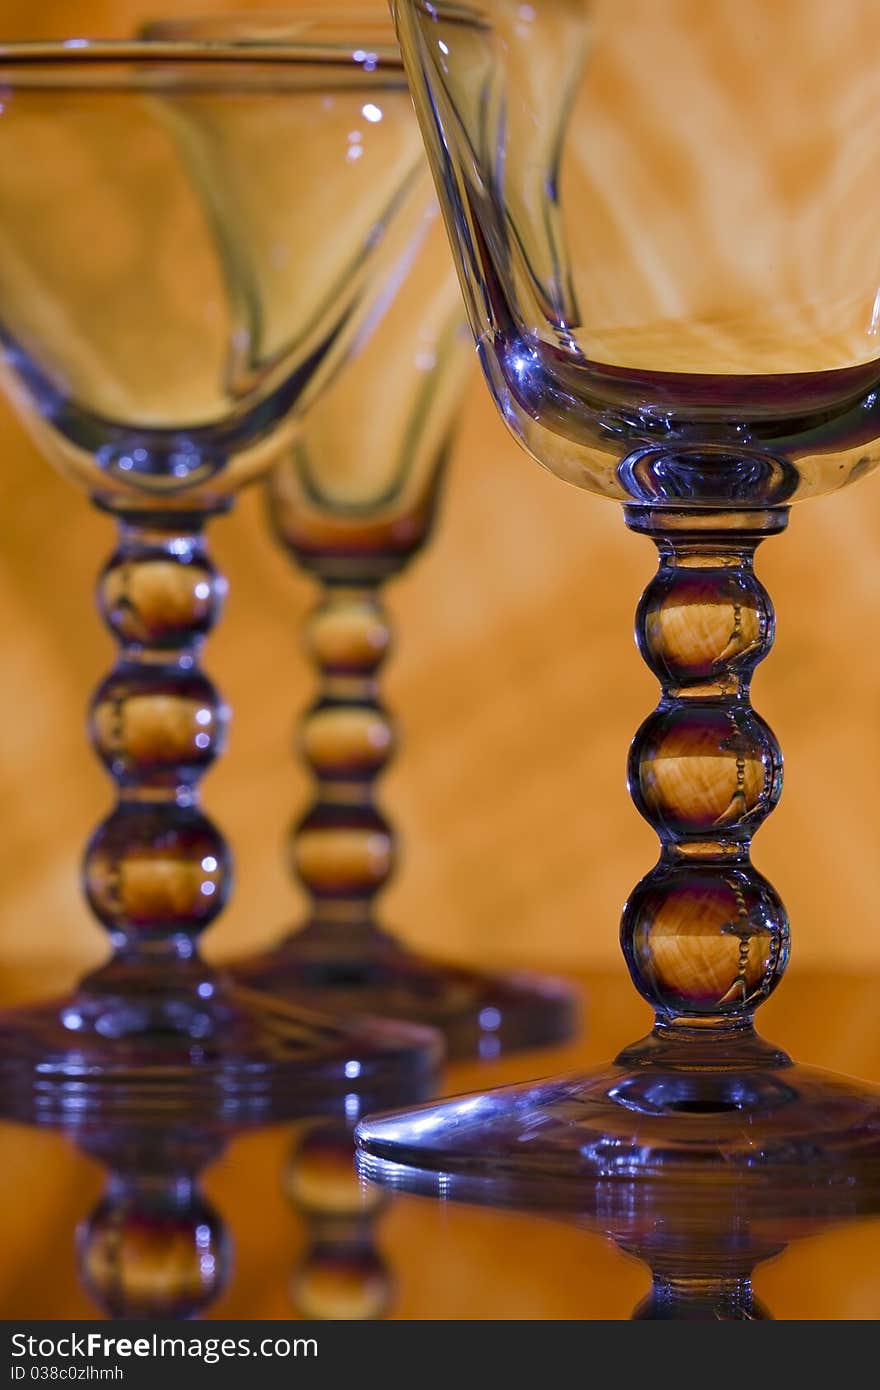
(755, 1126)
(480, 1013)
(264, 1062)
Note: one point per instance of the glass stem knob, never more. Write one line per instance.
(342, 850)
(704, 934)
(157, 871)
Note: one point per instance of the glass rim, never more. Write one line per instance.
(320, 41)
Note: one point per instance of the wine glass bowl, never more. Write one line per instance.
(671, 274)
(159, 334)
(357, 491)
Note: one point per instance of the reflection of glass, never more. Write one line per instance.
(353, 502)
(153, 1247)
(701, 1236)
(677, 309)
(150, 340)
(342, 1273)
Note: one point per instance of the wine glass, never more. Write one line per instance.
(157, 333)
(663, 217)
(353, 502)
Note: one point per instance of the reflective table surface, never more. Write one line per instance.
(446, 1261)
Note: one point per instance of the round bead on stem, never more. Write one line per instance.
(157, 871)
(704, 933)
(342, 849)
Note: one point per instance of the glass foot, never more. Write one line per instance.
(480, 1014)
(250, 1060)
(700, 1118)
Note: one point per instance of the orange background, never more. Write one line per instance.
(516, 682)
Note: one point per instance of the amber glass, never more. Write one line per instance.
(662, 215)
(160, 326)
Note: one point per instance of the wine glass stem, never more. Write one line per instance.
(342, 849)
(157, 871)
(704, 934)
